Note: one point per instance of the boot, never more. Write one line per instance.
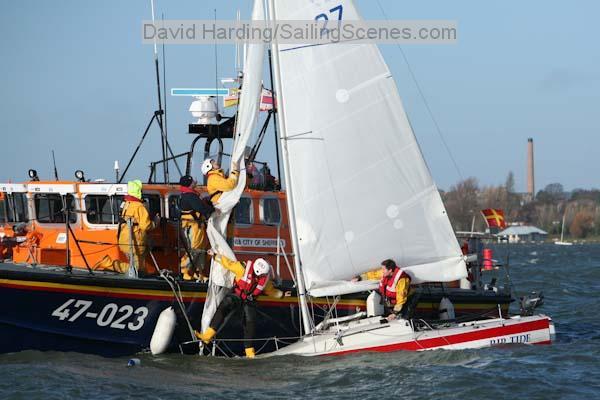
(250, 352)
(207, 335)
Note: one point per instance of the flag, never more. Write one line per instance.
(232, 99)
(266, 100)
(494, 217)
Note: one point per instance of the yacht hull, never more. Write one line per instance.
(377, 335)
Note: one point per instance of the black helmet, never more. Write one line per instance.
(186, 181)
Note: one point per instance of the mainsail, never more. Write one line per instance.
(247, 115)
(361, 189)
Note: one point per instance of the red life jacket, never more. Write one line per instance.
(387, 285)
(250, 284)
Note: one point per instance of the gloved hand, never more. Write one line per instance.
(250, 298)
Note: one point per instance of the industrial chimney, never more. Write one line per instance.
(530, 175)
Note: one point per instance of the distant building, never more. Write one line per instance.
(523, 233)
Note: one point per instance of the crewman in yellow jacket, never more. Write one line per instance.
(216, 182)
(394, 289)
(194, 213)
(394, 286)
(132, 209)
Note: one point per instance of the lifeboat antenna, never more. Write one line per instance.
(158, 116)
(116, 168)
(55, 170)
(160, 109)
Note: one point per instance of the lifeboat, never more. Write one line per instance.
(53, 270)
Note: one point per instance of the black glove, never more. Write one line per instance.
(250, 298)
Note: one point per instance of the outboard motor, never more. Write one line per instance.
(530, 302)
(446, 309)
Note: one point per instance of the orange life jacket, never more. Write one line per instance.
(387, 285)
(250, 284)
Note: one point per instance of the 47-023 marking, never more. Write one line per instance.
(111, 314)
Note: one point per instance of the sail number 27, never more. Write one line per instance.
(337, 9)
(111, 314)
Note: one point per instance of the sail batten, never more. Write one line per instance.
(361, 188)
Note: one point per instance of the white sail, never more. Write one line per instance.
(361, 188)
(247, 115)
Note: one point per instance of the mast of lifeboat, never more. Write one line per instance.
(307, 323)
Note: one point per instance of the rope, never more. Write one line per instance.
(176, 294)
(424, 99)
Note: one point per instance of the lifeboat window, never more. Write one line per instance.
(271, 214)
(13, 208)
(152, 203)
(173, 207)
(101, 209)
(49, 208)
(243, 211)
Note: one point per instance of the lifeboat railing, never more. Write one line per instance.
(69, 232)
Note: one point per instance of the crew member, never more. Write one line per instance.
(393, 287)
(216, 182)
(251, 280)
(135, 214)
(194, 213)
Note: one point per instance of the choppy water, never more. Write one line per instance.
(568, 369)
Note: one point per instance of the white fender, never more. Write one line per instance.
(374, 306)
(446, 309)
(163, 331)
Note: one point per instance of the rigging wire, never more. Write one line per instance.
(165, 87)
(424, 99)
(176, 293)
(216, 63)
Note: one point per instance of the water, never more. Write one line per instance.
(568, 369)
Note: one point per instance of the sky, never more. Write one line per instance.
(76, 78)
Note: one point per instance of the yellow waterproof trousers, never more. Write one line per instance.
(195, 234)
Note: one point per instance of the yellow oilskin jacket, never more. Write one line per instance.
(239, 269)
(374, 275)
(142, 225)
(402, 289)
(217, 182)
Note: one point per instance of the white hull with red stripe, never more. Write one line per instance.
(376, 334)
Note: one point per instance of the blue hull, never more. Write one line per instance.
(110, 316)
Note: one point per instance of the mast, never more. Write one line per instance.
(304, 312)
(275, 119)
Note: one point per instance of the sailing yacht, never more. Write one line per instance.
(359, 190)
(562, 242)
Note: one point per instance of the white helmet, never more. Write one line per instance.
(261, 266)
(206, 166)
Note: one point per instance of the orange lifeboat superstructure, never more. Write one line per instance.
(259, 225)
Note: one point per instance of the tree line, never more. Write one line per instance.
(580, 208)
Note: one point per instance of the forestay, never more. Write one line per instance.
(361, 188)
(248, 110)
